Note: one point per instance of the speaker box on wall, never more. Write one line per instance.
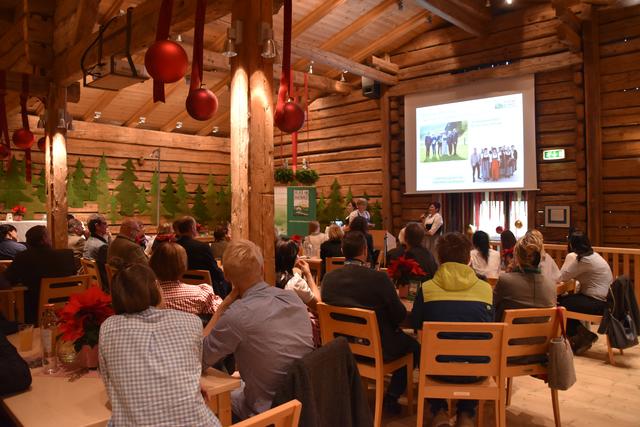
(370, 88)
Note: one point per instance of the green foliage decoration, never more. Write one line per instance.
(199, 209)
(283, 175)
(169, 199)
(102, 186)
(15, 184)
(127, 191)
(307, 176)
(335, 206)
(182, 194)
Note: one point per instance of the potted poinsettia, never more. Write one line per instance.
(80, 320)
(403, 271)
(18, 212)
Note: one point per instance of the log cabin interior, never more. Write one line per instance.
(73, 73)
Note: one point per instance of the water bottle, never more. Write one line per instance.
(307, 249)
(48, 325)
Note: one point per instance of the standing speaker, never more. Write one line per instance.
(370, 88)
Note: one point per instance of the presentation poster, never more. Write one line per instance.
(475, 144)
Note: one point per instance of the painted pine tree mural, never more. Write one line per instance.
(127, 192)
(169, 198)
(182, 194)
(79, 183)
(14, 191)
(153, 196)
(199, 209)
(102, 186)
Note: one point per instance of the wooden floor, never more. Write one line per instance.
(603, 396)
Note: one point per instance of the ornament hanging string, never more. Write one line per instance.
(294, 135)
(4, 126)
(24, 96)
(306, 106)
(285, 74)
(162, 33)
(198, 46)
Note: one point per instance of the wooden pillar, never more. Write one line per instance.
(593, 134)
(386, 162)
(252, 133)
(56, 169)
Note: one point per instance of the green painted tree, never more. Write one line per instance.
(113, 208)
(127, 192)
(376, 215)
(224, 202)
(153, 196)
(13, 191)
(321, 212)
(102, 186)
(38, 203)
(142, 203)
(349, 197)
(211, 199)
(335, 207)
(182, 194)
(169, 198)
(73, 200)
(79, 182)
(92, 188)
(199, 209)
(3, 185)
(40, 187)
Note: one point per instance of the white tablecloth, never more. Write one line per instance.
(23, 226)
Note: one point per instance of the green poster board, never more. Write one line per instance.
(294, 208)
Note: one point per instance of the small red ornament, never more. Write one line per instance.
(201, 104)
(291, 119)
(499, 229)
(5, 151)
(166, 61)
(42, 144)
(23, 138)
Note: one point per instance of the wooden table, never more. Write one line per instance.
(218, 386)
(13, 300)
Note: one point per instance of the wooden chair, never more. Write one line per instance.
(111, 271)
(437, 341)
(197, 277)
(333, 263)
(594, 319)
(363, 326)
(7, 301)
(90, 267)
(528, 334)
(4, 264)
(58, 290)
(285, 415)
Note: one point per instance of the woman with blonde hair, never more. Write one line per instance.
(525, 286)
(548, 266)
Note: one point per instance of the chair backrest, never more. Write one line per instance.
(527, 337)
(360, 326)
(334, 263)
(197, 277)
(111, 271)
(462, 349)
(285, 415)
(58, 290)
(4, 264)
(91, 268)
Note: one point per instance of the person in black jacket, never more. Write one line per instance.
(360, 224)
(333, 247)
(356, 285)
(414, 236)
(199, 255)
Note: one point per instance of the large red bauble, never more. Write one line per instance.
(42, 144)
(23, 138)
(201, 104)
(5, 151)
(166, 61)
(291, 119)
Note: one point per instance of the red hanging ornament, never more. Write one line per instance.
(166, 61)
(23, 138)
(202, 104)
(5, 151)
(292, 118)
(42, 144)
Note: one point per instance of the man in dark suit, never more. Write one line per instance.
(356, 285)
(38, 261)
(199, 255)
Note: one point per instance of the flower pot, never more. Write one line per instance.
(17, 217)
(88, 357)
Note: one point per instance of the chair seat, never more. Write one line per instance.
(368, 369)
(486, 389)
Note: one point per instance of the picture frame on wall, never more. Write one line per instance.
(557, 216)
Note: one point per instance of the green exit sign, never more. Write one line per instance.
(555, 154)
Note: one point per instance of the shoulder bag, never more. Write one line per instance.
(561, 372)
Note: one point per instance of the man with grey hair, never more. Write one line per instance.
(76, 239)
(124, 246)
(265, 327)
(98, 236)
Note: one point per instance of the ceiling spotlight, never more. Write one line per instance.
(509, 1)
(342, 76)
(142, 120)
(215, 129)
(62, 124)
(70, 125)
(233, 37)
(269, 48)
(311, 68)
(97, 115)
(41, 121)
(178, 125)
(488, 3)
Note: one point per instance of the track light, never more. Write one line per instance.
(215, 129)
(179, 38)
(142, 120)
(42, 121)
(311, 68)
(269, 49)
(97, 115)
(62, 124)
(234, 36)
(342, 76)
(178, 125)
(509, 1)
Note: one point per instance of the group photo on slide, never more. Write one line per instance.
(444, 142)
(494, 163)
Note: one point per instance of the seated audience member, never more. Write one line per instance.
(221, 238)
(264, 327)
(361, 225)
(76, 239)
(455, 294)
(332, 248)
(507, 243)
(150, 358)
(356, 285)
(525, 286)
(315, 238)
(199, 256)
(142, 239)
(165, 234)
(169, 262)
(399, 250)
(99, 236)
(414, 236)
(38, 261)
(125, 245)
(9, 246)
(484, 260)
(287, 278)
(548, 266)
(15, 375)
(595, 277)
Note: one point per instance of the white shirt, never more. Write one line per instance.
(592, 271)
(436, 222)
(316, 240)
(356, 213)
(489, 269)
(549, 268)
(300, 287)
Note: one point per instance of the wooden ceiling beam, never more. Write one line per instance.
(149, 106)
(475, 24)
(316, 15)
(570, 26)
(341, 63)
(384, 64)
(100, 104)
(39, 86)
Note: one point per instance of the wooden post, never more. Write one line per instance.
(386, 162)
(252, 133)
(593, 134)
(56, 169)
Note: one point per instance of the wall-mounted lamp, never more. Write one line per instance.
(311, 67)
(42, 121)
(269, 48)
(234, 37)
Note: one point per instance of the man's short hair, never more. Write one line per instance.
(184, 225)
(73, 225)
(6, 229)
(94, 221)
(354, 244)
(414, 234)
(169, 261)
(134, 289)
(243, 261)
(37, 236)
(220, 232)
(361, 202)
(454, 247)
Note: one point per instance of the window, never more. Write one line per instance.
(500, 210)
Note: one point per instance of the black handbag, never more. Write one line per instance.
(622, 333)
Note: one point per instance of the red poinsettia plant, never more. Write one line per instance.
(401, 270)
(19, 210)
(81, 317)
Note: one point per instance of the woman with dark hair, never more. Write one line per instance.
(360, 224)
(290, 279)
(151, 358)
(433, 226)
(594, 276)
(9, 246)
(484, 260)
(507, 243)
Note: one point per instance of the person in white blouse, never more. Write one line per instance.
(594, 276)
(484, 260)
(315, 238)
(294, 274)
(361, 210)
(433, 224)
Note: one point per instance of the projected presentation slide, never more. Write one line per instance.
(470, 145)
